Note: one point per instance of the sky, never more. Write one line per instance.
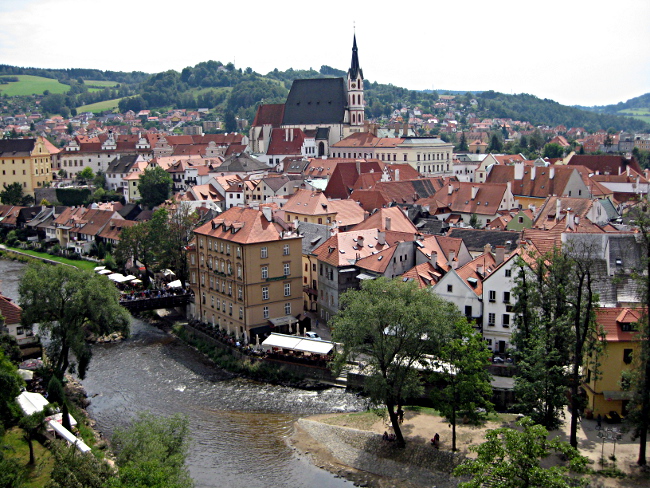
(572, 51)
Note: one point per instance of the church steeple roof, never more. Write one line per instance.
(355, 71)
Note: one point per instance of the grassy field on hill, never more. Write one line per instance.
(637, 113)
(101, 83)
(32, 85)
(100, 106)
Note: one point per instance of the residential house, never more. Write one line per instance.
(10, 323)
(26, 162)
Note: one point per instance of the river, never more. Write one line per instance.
(238, 427)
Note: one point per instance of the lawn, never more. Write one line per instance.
(81, 264)
(37, 476)
(100, 83)
(637, 113)
(32, 85)
(100, 106)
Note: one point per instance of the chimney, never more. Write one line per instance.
(474, 192)
(358, 167)
(268, 213)
(551, 173)
(387, 223)
(533, 170)
(570, 222)
(558, 209)
(434, 258)
(487, 248)
(286, 134)
(381, 238)
(450, 189)
(451, 262)
(360, 241)
(479, 269)
(519, 171)
(499, 254)
(291, 135)
(396, 175)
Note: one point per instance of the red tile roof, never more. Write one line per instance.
(269, 114)
(10, 311)
(242, 225)
(398, 221)
(611, 319)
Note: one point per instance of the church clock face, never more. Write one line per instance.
(354, 85)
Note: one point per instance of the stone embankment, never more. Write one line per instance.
(366, 452)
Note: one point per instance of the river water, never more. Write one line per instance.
(238, 427)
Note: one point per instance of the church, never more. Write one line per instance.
(318, 113)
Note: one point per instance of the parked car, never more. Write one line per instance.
(313, 335)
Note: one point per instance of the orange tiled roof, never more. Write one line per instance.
(242, 225)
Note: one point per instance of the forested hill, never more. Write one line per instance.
(548, 112)
(641, 102)
(213, 85)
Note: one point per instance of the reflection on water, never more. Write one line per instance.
(238, 427)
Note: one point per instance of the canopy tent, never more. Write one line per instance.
(136, 281)
(117, 277)
(175, 284)
(68, 436)
(26, 374)
(297, 343)
(129, 277)
(168, 272)
(31, 402)
(99, 268)
(105, 272)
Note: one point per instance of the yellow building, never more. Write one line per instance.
(25, 161)
(245, 271)
(603, 389)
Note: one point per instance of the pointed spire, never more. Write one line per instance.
(355, 71)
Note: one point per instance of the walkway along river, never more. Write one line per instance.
(238, 427)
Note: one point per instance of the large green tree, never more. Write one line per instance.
(391, 326)
(512, 458)
(74, 469)
(10, 386)
(151, 453)
(155, 186)
(180, 224)
(462, 368)
(69, 304)
(12, 194)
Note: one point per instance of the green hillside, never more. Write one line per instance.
(100, 107)
(31, 85)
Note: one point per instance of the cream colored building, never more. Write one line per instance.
(25, 161)
(245, 271)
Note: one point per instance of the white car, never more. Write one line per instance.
(313, 335)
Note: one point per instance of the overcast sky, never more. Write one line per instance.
(573, 51)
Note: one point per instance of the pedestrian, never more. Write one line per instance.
(400, 414)
(599, 421)
(436, 441)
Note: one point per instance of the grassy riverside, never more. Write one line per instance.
(32, 85)
(81, 264)
(16, 447)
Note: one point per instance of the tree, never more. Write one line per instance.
(74, 469)
(553, 150)
(556, 329)
(151, 453)
(495, 144)
(510, 458)
(473, 221)
(138, 244)
(393, 325)
(639, 406)
(12, 474)
(462, 145)
(70, 304)
(177, 235)
(230, 121)
(12, 194)
(56, 394)
(10, 386)
(155, 186)
(463, 359)
(32, 426)
(85, 175)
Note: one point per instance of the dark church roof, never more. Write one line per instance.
(16, 147)
(354, 65)
(317, 101)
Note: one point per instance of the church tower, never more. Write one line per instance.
(355, 89)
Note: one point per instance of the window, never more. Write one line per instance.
(468, 311)
(287, 289)
(287, 271)
(238, 252)
(508, 273)
(491, 319)
(493, 296)
(627, 356)
(241, 313)
(287, 308)
(221, 246)
(285, 250)
(230, 289)
(265, 312)
(265, 272)
(264, 253)
(211, 301)
(228, 249)
(239, 274)
(506, 320)
(506, 297)
(265, 293)
(230, 309)
(240, 293)
(450, 288)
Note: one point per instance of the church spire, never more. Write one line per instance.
(355, 71)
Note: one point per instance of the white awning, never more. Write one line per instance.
(68, 436)
(176, 284)
(31, 402)
(99, 268)
(129, 277)
(105, 272)
(298, 343)
(117, 277)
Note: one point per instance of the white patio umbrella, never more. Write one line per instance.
(117, 277)
(99, 268)
(136, 281)
(129, 277)
(105, 272)
(175, 284)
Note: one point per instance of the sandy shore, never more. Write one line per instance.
(355, 450)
